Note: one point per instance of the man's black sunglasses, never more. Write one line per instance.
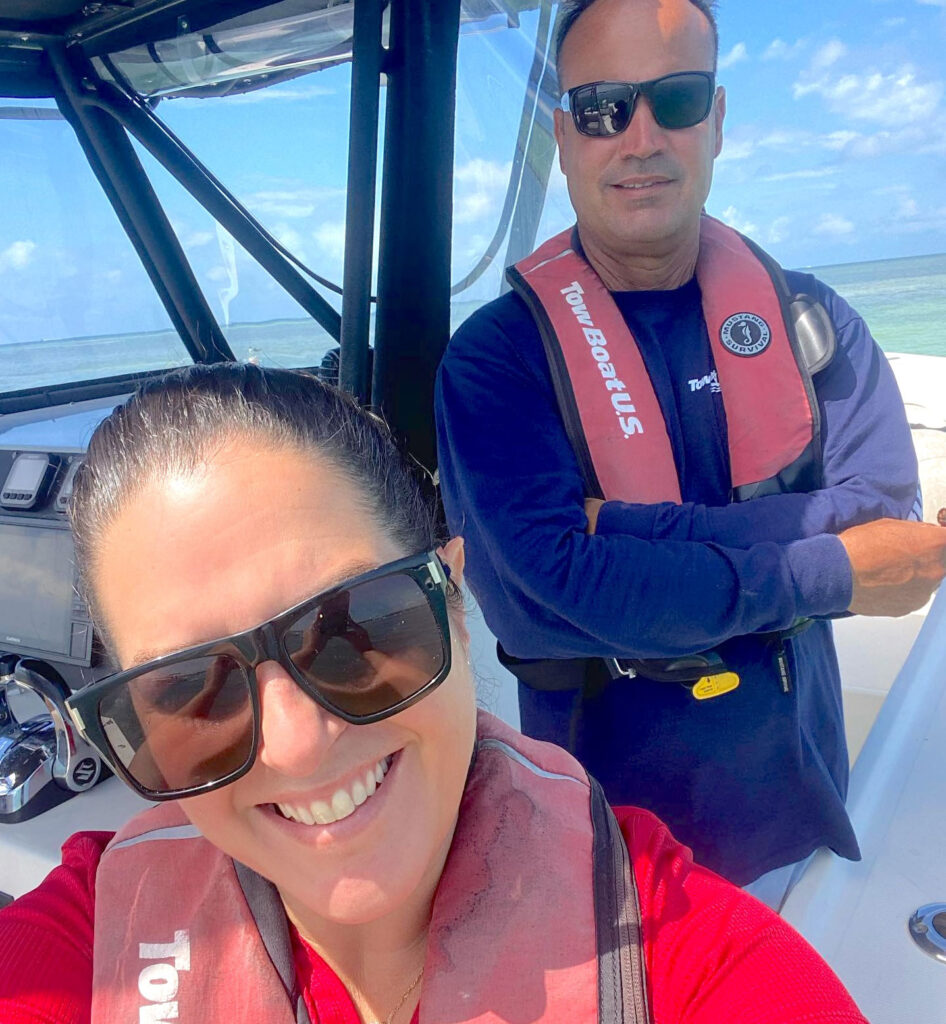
(680, 100)
(189, 722)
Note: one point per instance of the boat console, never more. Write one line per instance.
(47, 641)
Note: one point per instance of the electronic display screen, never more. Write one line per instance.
(36, 588)
(26, 474)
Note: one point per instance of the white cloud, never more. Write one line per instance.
(277, 94)
(778, 49)
(838, 140)
(894, 22)
(930, 221)
(917, 140)
(290, 238)
(890, 190)
(921, 139)
(198, 238)
(829, 54)
(833, 225)
(280, 207)
(812, 173)
(892, 99)
(735, 55)
(292, 204)
(900, 211)
(331, 238)
(472, 247)
(736, 149)
(933, 3)
(907, 208)
(780, 139)
(17, 255)
(749, 141)
(479, 188)
(778, 230)
(732, 217)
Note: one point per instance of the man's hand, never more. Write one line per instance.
(896, 565)
(592, 508)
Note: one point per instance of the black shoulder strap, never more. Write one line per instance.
(270, 917)
(622, 981)
(622, 985)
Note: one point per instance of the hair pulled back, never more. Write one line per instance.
(174, 423)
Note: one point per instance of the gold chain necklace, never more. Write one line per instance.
(410, 988)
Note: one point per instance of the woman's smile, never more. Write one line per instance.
(345, 792)
(345, 799)
(353, 830)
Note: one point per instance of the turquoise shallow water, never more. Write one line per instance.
(903, 301)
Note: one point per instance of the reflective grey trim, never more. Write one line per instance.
(494, 744)
(545, 263)
(171, 832)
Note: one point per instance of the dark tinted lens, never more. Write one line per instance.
(369, 647)
(182, 726)
(680, 101)
(602, 109)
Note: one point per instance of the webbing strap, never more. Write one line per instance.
(270, 917)
(622, 986)
(622, 982)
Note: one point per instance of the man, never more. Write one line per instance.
(739, 464)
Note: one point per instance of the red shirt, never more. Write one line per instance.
(713, 953)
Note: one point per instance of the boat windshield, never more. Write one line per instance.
(75, 301)
(263, 101)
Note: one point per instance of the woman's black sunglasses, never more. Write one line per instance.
(680, 100)
(189, 722)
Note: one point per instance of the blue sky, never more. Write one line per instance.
(836, 137)
(835, 134)
(835, 152)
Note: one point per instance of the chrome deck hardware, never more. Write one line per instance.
(928, 928)
(43, 761)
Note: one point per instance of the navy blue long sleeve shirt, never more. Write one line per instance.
(753, 779)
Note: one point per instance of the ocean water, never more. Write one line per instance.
(902, 300)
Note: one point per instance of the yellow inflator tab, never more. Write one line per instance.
(715, 686)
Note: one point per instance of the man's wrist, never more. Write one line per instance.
(822, 575)
(616, 517)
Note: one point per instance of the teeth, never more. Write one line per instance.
(343, 802)
(321, 812)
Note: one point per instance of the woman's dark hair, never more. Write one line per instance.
(175, 422)
(572, 10)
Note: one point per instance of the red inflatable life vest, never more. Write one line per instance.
(608, 402)
(536, 914)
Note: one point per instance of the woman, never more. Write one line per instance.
(339, 837)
